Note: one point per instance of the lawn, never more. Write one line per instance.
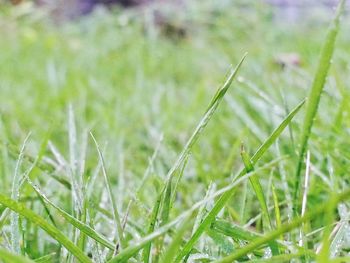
(210, 132)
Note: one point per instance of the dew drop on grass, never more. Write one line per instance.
(267, 253)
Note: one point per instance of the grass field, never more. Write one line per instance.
(122, 140)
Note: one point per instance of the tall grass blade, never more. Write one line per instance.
(120, 238)
(49, 229)
(220, 203)
(315, 96)
(166, 193)
(15, 232)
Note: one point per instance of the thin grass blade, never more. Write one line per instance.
(255, 182)
(120, 238)
(315, 96)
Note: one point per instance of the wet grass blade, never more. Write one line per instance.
(120, 239)
(8, 257)
(255, 182)
(49, 229)
(166, 193)
(16, 182)
(84, 228)
(315, 96)
(147, 251)
(285, 228)
(220, 203)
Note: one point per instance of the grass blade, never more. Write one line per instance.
(15, 234)
(120, 239)
(41, 222)
(8, 257)
(285, 228)
(166, 193)
(220, 203)
(84, 228)
(255, 182)
(277, 207)
(315, 96)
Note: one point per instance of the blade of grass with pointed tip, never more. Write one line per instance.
(9, 257)
(315, 96)
(255, 182)
(49, 229)
(86, 229)
(220, 203)
(165, 207)
(120, 239)
(213, 105)
(153, 220)
(285, 228)
(15, 232)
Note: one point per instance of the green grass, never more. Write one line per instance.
(135, 132)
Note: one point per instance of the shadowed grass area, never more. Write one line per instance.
(159, 181)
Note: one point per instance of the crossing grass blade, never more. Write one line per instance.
(9, 257)
(170, 253)
(255, 182)
(84, 228)
(133, 249)
(220, 203)
(315, 96)
(49, 229)
(285, 228)
(120, 238)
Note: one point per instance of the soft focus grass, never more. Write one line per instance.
(141, 93)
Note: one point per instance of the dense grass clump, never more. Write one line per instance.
(115, 145)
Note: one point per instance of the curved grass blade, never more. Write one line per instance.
(41, 222)
(120, 239)
(8, 257)
(84, 228)
(220, 203)
(315, 96)
(285, 228)
(166, 192)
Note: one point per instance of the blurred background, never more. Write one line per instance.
(133, 70)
